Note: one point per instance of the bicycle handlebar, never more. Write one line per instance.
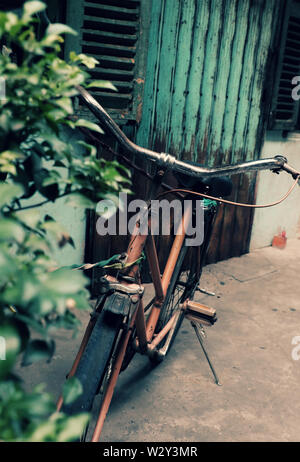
(287, 168)
(165, 160)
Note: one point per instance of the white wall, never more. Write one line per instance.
(72, 219)
(270, 187)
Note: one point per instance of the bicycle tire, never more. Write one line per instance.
(94, 361)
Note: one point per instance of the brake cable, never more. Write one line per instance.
(225, 201)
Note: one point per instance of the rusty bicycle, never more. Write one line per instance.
(121, 325)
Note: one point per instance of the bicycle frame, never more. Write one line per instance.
(146, 342)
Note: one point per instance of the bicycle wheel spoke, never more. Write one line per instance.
(181, 287)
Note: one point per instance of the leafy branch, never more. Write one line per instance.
(42, 159)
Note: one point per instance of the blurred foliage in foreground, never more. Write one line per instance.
(37, 166)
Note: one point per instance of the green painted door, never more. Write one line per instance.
(205, 97)
(202, 94)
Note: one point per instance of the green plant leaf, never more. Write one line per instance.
(8, 192)
(65, 282)
(11, 230)
(102, 84)
(33, 7)
(72, 389)
(88, 61)
(58, 29)
(46, 431)
(90, 148)
(11, 156)
(74, 428)
(65, 104)
(39, 403)
(11, 23)
(89, 125)
(29, 217)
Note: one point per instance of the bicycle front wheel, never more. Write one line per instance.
(95, 361)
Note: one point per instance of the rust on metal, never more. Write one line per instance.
(83, 344)
(112, 381)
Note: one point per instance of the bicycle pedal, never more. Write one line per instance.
(200, 313)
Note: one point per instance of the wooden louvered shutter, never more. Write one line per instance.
(115, 33)
(285, 109)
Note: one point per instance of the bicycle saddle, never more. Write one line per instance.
(219, 186)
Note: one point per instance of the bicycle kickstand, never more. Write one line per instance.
(195, 326)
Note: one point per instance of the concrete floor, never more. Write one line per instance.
(257, 301)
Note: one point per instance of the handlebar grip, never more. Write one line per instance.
(287, 168)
